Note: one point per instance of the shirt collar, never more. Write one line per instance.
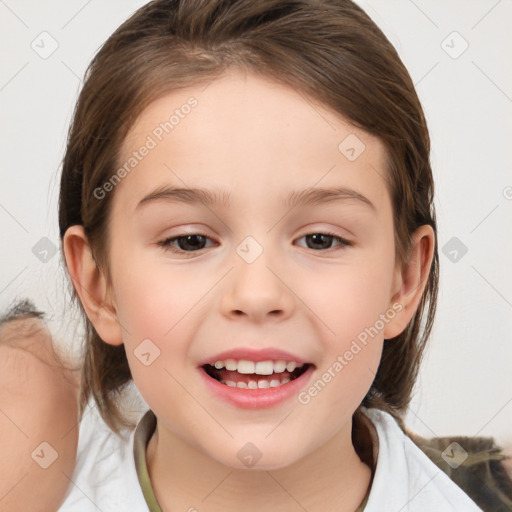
(146, 428)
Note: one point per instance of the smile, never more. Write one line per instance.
(250, 384)
(245, 374)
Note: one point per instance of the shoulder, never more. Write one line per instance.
(405, 478)
(39, 402)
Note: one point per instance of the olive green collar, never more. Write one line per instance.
(143, 433)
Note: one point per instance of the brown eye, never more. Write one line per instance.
(323, 241)
(184, 243)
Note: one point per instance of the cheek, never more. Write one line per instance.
(350, 298)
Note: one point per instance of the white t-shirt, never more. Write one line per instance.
(405, 480)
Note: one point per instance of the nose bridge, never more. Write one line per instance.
(257, 288)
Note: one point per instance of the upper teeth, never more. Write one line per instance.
(259, 368)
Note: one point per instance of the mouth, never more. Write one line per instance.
(251, 375)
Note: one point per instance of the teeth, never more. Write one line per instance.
(279, 366)
(291, 366)
(259, 368)
(231, 365)
(253, 384)
(245, 367)
(264, 368)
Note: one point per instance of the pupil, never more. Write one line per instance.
(187, 240)
(317, 238)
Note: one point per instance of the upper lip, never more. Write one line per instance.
(248, 354)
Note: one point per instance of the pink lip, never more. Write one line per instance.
(269, 354)
(256, 398)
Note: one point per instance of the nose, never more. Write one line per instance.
(258, 290)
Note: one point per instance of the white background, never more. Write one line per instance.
(465, 386)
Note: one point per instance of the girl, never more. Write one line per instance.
(246, 214)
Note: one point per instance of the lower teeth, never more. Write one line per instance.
(255, 385)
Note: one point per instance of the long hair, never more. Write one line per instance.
(329, 50)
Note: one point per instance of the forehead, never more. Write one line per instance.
(247, 132)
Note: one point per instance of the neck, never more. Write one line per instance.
(332, 477)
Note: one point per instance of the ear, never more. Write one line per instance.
(91, 285)
(410, 281)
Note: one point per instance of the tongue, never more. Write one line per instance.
(235, 377)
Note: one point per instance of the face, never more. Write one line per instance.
(253, 271)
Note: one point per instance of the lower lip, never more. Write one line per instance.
(256, 398)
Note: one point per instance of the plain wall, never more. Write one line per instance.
(465, 383)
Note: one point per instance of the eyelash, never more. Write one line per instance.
(166, 243)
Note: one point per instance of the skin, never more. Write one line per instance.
(259, 141)
(39, 403)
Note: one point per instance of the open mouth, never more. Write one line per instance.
(255, 375)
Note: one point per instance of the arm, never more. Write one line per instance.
(38, 404)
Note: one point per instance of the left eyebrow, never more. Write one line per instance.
(304, 197)
(313, 196)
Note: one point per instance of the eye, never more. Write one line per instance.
(186, 243)
(195, 242)
(323, 241)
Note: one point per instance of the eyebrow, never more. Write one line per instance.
(304, 197)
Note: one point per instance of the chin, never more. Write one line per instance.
(251, 458)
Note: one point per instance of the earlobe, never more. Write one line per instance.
(91, 285)
(412, 279)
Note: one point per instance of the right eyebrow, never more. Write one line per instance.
(185, 195)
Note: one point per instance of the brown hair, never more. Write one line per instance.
(331, 51)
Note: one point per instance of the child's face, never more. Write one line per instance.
(257, 282)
